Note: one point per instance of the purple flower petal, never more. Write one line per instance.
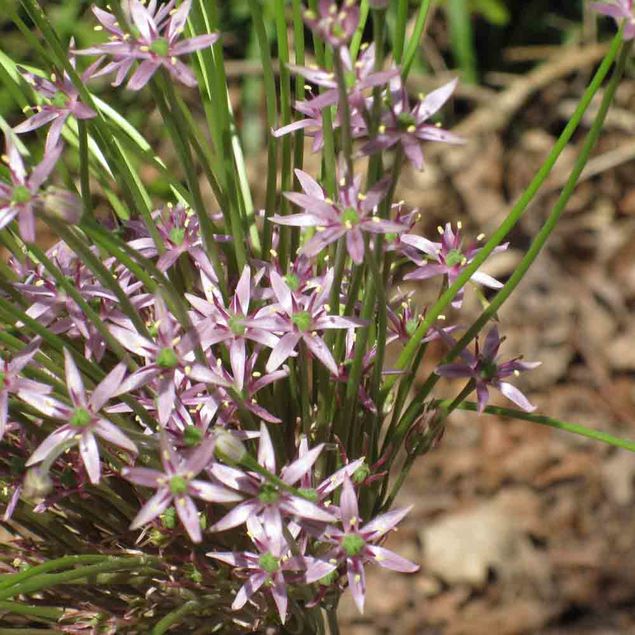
(188, 515)
(90, 456)
(253, 583)
(513, 394)
(154, 507)
(143, 476)
(55, 440)
(74, 381)
(390, 560)
(111, 433)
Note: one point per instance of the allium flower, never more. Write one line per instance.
(409, 127)
(84, 420)
(169, 353)
(449, 259)
(484, 368)
(360, 76)
(620, 11)
(333, 24)
(177, 485)
(272, 566)
(12, 383)
(156, 30)
(313, 124)
(233, 325)
(353, 214)
(300, 318)
(267, 500)
(20, 196)
(62, 102)
(246, 384)
(356, 544)
(180, 233)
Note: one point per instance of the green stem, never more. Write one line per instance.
(174, 617)
(46, 581)
(33, 611)
(589, 433)
(51, 565)
(84, 166)
(415, 40)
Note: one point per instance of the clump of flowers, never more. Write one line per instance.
(195, 407)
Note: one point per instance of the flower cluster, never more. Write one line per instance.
(218, 379)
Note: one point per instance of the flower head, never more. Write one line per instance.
(177, 485)
(61, 101)
(409, 127)
(447, 258)
(356, 544)
(621, 11)
(484, 368)
(154, 42)
(22, 194)
(335, 25)
(83, 417)
(351, 216)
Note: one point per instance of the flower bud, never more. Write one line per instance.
(37, 484)
(229, 448)
(61, 204)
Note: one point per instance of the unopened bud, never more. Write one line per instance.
(61, 204)
(37, 484)
(229, 448)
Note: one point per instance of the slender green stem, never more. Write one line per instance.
(415, 40)
(400, 30)
(174, 617)
(50, 565)
(345, 115)
(48, 580)
(33, 611)
(84, 166)
(359, 32)
(575, 428)
(460, 19)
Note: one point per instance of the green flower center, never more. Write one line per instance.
(178, 485)
(353, 544)
(454, 257)
(350, 216)
(236, 325)
(302, 320)
(269, 563)
(160, 46)
(192, 436)
(390, 237)
(80, 418)
(59, 100)
(488, 369)
(177, 235)
(268, 494)
(293, 282)
(350, 78)
(21, 194)
(405, 120)
(167, 358)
